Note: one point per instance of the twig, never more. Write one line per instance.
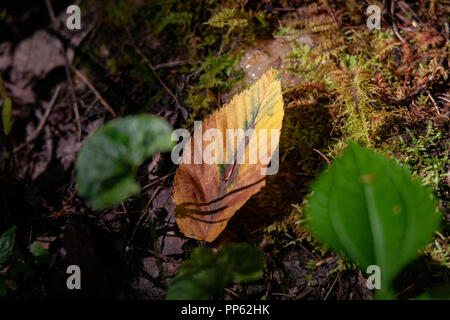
(97, 94)
(394, 25)
(51, 13)
(152, 68)
(41, 126)
(74, 96)
(157, 180)
(144, 214)
(406, 9)
(332, 286)
(170, 64)
(311, 148)
(446, 100)
(337, 121)
(434, 103)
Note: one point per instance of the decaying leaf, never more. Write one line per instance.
(208, 194)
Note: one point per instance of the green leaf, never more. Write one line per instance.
(206, 274)
(439, 293)
(372, 210)
(7, 244)
(7, 115)
(37, 250)
(6, 109)
(107, 162)
(247, 269)
(41, 254)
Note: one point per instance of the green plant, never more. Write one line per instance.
(205, 274)
(6, 109)
(179, 18)
(373, 211)
(40, 254)
(108, 161)
(428, 156)
(6, 248)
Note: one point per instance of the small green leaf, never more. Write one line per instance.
(206, 274)
(371, 209)
(6, 109)
(41, 254)
(37, 250)
(107, 162)
(244, 262)
(7, 115)
(7, 244)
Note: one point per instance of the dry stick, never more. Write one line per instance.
(314, 149)
(152, 68)
(157, 180)
(397, 33)
(446, 100)
(145, 213)
(51, 13)
(96, 93)
(170, 64)
(332, 286)
(434, 103)
(74, 96)
(337, 121)
(41, 126)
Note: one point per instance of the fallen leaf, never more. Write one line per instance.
(5, 56)
(67, 149)
(36, 57)
(208, 195)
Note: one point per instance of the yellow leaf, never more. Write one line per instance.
(207, 194)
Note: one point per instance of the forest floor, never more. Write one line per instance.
(387, 89)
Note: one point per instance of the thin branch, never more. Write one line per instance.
(74, 96)
(311, 148)
(97, 94)
(434, 103)
(41, 126)
(332, 286)
(152, 68)
(51, 14)
(394, 25)
(171, 64)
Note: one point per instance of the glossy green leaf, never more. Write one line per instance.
(108, 161)
(7, 244)
(372, 210)
(206, 274)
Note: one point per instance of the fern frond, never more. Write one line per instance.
(226, 18)
(180, 18)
